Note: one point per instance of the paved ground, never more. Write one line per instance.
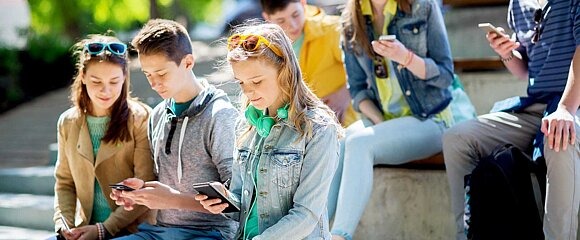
(13, 233)
(27, 130)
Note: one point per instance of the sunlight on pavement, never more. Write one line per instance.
(13, 233)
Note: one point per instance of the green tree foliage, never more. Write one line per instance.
(73, 18)
(56, 24)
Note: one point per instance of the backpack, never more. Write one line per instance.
(461, 105)
(504, 196)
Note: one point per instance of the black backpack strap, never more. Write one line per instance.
(538, 171)
(537, 194)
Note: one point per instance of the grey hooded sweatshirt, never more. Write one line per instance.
(195, 147)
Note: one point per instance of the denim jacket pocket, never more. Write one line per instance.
(414, 35)
(241, 161)
(286, 167)
(243, 155)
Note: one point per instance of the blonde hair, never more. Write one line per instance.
(295, 92)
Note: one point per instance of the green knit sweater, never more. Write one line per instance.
(97, 129)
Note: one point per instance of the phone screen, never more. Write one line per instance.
(121, 187)
(387, 37)
(212, 192)
(488, 27)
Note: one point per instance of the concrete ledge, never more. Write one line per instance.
(14, 233)
(411, 201)
(465, 38)
(408, 204)
(31, 180)
(475, 3)
(52, 154)
(27, 211)
(486, 88)
(434, 162)
(477, 64)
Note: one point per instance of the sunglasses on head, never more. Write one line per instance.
(96, 48)
(251, 43)
(380, 67)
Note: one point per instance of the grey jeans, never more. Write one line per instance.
(467, 142)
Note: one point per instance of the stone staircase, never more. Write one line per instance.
(26, 202)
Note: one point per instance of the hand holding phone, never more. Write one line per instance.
(502, 44)
(387, 37)
(488, 27)
(121, 187)
(216, 190)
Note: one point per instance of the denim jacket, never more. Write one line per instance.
(424, 33)
(294, 176)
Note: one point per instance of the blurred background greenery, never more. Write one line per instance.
(70, 19)
(42, 62)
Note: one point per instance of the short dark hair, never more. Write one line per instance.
(163, 36)
(273, 6)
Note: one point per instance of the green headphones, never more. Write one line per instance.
(264, 123)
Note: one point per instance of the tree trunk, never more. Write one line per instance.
(153, 9)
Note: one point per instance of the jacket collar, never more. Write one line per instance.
(85, 146)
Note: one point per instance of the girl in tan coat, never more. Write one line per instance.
(102, 140)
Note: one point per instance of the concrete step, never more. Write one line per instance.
(28, 129)
(15, 233)
(52, 154)
(465, 38)
(485, 88)
(27, 211)
(408, 204)
(31, 180)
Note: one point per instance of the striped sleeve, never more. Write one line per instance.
(575, 12)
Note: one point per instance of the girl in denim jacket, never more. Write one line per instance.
(401, 88)
(287, 152)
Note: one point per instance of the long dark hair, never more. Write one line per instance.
(118, 129)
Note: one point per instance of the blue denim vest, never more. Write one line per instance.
(294, 176)
(423, 32)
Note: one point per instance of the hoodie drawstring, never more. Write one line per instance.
(156, 140)
(181, 136)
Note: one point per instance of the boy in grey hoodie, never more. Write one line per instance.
(191, 135)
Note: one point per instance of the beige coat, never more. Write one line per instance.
(77, 168)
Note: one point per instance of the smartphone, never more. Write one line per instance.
(488, 27)
(121, 187)
(66, 227)
(387, 37)
(216, 190)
